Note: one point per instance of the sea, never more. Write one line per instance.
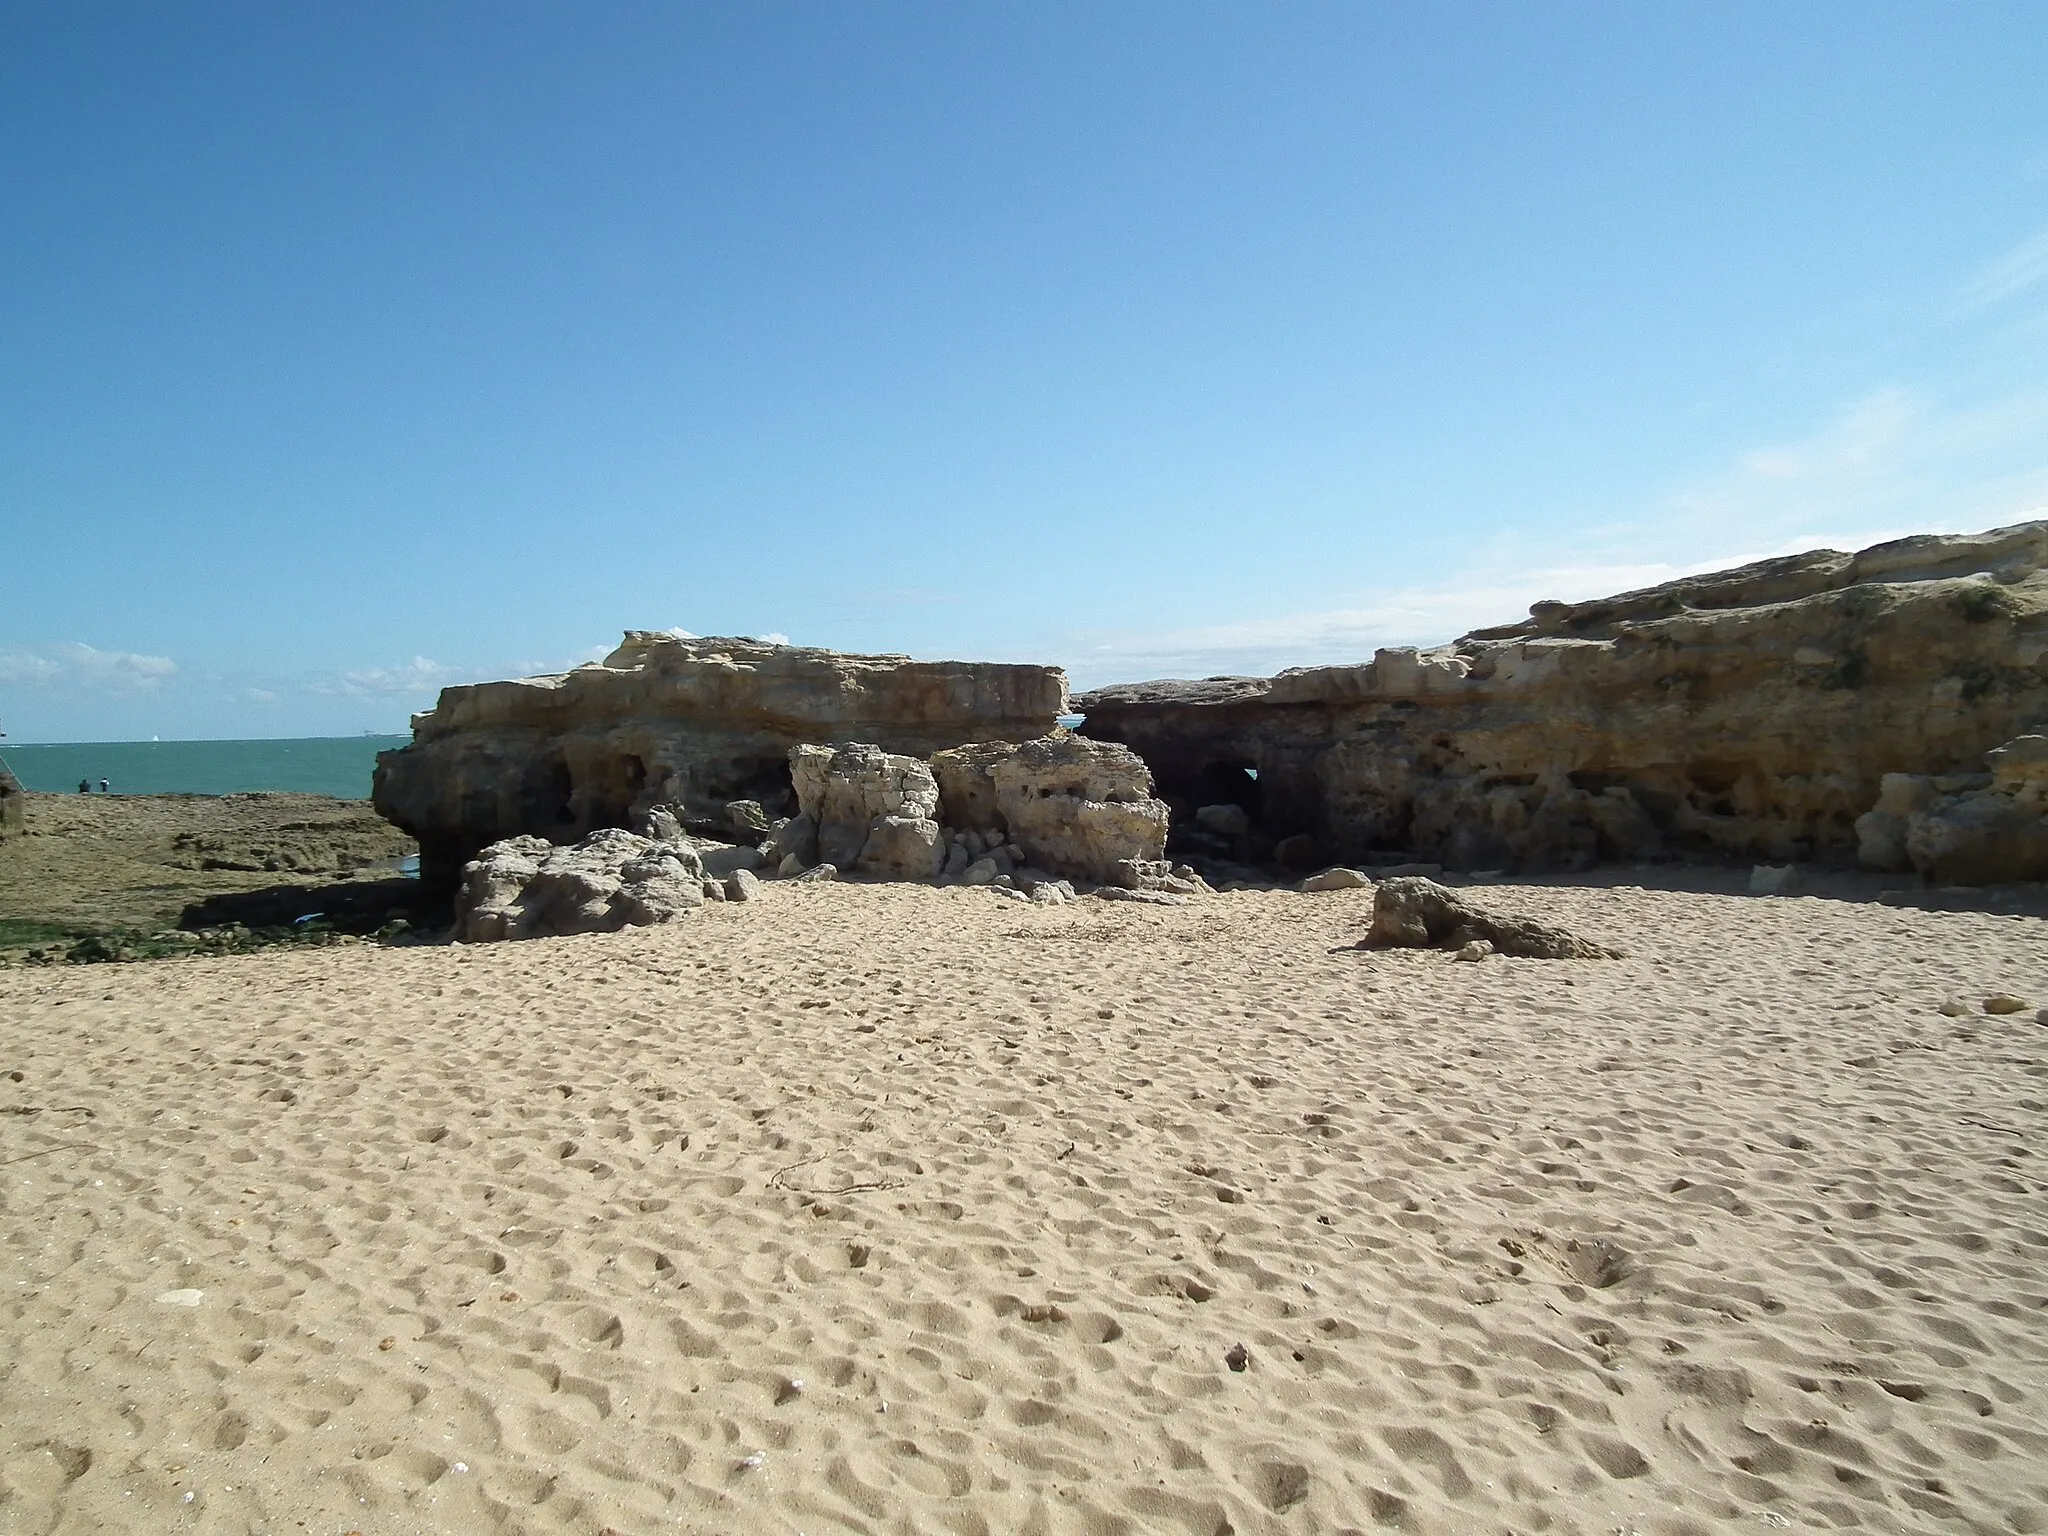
(319, 765)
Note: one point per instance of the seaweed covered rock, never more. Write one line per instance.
(527, 888)
(1410, 912)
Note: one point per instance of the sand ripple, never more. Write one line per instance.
(894, 1210)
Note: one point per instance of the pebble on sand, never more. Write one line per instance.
(2004, 1002)
(186, 1298)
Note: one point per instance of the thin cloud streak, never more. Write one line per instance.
(1888, 465)
(2010, 275)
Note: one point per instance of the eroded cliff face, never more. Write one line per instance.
(694, 723)
(1748, 714)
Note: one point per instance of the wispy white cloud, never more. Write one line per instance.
(1892, 462)
(2012, 274)
(1420, 615)
(1887, 465)
(419, 675)
(70, 664)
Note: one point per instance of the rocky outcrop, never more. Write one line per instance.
(1055, 808)
(875, 811)
(529, 888)
(704, 725)
(1413, 913)
(13, 805)
(1079, 807)
(1750, 715)
(967, 792)
(1965, 829)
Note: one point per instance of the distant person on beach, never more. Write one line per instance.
(85, 786)
(106, 788)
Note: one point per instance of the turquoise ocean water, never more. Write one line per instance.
(318, 765)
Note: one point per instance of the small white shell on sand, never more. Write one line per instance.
(180, 1298)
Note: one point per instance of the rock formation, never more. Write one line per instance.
(1050, 810)
(1965, 829)
(698, 724)
(1749, 715)
(875, 811)
(13, 805)
(1079, 807)
(528, 888)
(1413, 913)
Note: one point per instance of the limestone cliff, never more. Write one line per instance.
(698, 723)
(1748, 714)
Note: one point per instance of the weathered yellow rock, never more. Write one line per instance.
(1752, 715)
(694, 723)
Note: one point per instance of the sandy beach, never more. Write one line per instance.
(893, 1209)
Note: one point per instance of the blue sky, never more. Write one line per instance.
(350, 350)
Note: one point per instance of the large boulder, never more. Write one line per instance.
(696, 724)
(1965, 829)
(1747, 716)
(876, 812)
(1078, 807)
(528, 888)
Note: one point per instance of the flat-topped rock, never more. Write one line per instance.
(1749, 715)
(697, 724)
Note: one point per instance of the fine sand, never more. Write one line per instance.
(890, 1209)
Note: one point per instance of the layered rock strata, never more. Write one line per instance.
(1752, 714)
(705, 725)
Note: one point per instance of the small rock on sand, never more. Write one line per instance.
(1338, 879)
(2004, 1002)
(1955, 1008)
(1476, 951)
(1775, 880)
(819, 873)
(1149, 898)
(742, 885)
(185, 1298)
